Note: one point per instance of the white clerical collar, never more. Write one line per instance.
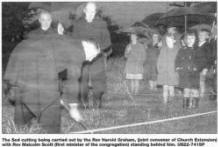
(201, 43)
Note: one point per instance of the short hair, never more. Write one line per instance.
(172, 27)
(42, 12)
(190, 33)
(90, 3)
(205, 30)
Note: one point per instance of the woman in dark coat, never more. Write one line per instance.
(153, 51)
(187, 67)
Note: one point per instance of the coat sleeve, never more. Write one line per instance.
(160, 59)
(211, 53)
(144, 52)
(178, 59)
(200, 60)
(127, 51)
(15, 64)
(105, 37)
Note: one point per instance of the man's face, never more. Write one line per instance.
(90, 12)
(133, 38)
(203, 36)
(190, 40)
(45, 21)
(155, 38)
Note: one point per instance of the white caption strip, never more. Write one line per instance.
(145, 123)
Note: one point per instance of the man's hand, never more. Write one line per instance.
(60, 29)
(73, 110)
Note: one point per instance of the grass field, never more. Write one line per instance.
(120, 109)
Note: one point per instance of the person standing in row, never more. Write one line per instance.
(135, 53)
(189, 75)
(212, 78)
(203, 57)
(167, 75)
(93, 29)
(153, 52)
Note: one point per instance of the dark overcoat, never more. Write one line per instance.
(94, 71)
(95, 31)
(185, 64)
(202, 56)
(34, 66)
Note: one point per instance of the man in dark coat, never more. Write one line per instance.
(93, 73)
(33, 74)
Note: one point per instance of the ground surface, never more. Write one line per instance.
(120, 109)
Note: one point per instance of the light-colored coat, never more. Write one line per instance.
(167, 74)
(136, 55)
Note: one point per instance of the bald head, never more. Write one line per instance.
(45, 20)
(90, 11)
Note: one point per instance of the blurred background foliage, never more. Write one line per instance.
(18, 18)
(12, 27)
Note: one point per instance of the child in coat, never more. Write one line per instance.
(203, 51)
(188, 73)
(135, 54)
(167, 75)
(151, 60)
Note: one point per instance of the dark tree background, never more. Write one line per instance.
(13, 29)
(12, 17)
(14, 14)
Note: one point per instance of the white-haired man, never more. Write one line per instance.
(93, 29)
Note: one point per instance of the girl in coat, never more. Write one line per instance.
(167, 75)
(135, 54)
(188, 74)
(151, 60)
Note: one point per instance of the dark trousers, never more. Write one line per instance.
(93, 78)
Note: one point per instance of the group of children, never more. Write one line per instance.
(171, 60)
